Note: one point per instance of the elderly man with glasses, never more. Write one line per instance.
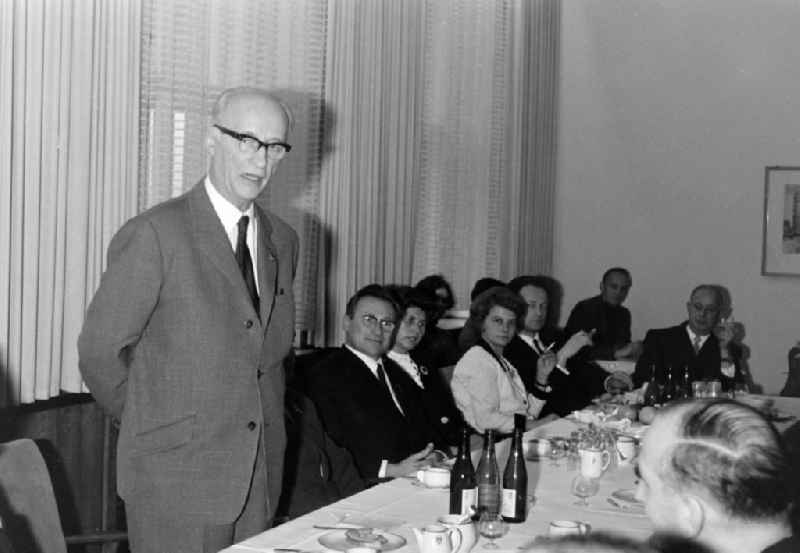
(367, 403)
(185, 338)
(699, 344)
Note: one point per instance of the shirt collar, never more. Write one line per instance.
(528, 339)
(228, 213)
(692, 336)
(371, 363)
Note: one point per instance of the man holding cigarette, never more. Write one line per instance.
(574, 381)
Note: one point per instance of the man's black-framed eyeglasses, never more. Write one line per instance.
(249, 144)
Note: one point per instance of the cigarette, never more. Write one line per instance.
(562, 369)
(548, 347)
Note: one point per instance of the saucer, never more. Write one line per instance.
(339, 541)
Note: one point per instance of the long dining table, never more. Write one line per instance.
(399, 505)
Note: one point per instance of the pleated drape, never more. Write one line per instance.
(69, 101)
(445, 144)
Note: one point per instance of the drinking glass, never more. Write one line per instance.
(557, 450)
(492, 526)
(584, 488)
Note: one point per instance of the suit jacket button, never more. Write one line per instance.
(248, 323)
(251, 425)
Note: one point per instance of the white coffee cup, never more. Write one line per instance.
(434, 477)
(626, 450)
(567, 528)
(594, 462)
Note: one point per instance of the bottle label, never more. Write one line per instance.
(509, 507)
(468, 498)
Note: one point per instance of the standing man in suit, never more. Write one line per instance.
(368, 404)
(608, 318)
(185, 338)
(692, 344)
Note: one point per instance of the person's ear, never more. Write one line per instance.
(211, 142)
(692, 515)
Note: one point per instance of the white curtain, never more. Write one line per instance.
(445, 144)
(68, 176)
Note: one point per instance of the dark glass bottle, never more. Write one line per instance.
(669, 388)
(685, 389)
(515, 477)
(652, 394)
(463, 490)
(488, 477)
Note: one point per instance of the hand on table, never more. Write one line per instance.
(618, 382)
(631, 350)
(411, 464)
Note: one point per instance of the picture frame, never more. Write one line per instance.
(781, 250)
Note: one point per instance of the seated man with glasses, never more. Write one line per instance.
(698, 343)
(367, 403)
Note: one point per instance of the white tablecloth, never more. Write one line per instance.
(401, 504)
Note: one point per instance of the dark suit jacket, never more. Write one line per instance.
(317, 471)
(569, 392)
(443, 415)
(359, 414)
(173, 347)
(612, 326)
(671, 348)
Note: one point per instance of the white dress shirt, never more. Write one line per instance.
(229, 216)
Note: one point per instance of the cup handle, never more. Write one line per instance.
(606, 459)
(456, 541)
(421, 476)
(584, 528)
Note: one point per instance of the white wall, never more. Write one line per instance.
(669, 112)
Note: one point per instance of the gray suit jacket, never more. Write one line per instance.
(172, 347)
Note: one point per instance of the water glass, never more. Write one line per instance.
(492, 526)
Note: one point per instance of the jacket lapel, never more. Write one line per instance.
(267, 266)
(213, 242)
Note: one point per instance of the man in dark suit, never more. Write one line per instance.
(692, 344)
(185, 338)
(551, 363)
(367, 403)
(608, 318)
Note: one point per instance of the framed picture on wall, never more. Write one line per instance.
(781, 221)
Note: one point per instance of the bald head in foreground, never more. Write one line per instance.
(718, 472)
(185, 338)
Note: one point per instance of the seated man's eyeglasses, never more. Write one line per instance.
(372, 321)
(249, 144)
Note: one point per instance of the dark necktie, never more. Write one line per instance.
(696, 344)
(385, 383)
(246, 262)
(382, 377)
